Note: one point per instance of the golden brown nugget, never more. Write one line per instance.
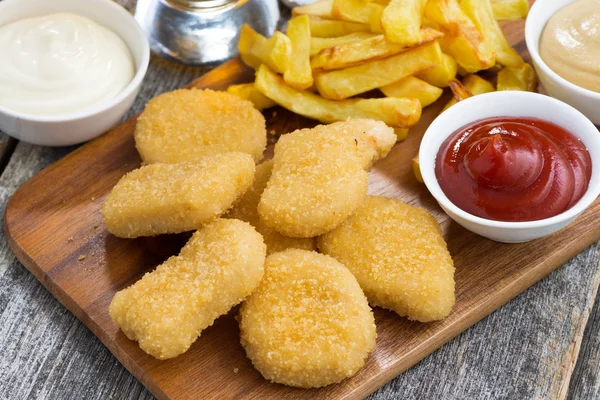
(399, 257)
(188, 124)
(168, 308)
(173, 198)
(246, 210)
(308, 324)
(319, 175)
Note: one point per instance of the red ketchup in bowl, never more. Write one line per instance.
(513, 169)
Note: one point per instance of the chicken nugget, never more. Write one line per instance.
(308, 324)
(188, 124)
(398, 255)
(168, 308)
(173, 198)
(246, 210)
(319, 175)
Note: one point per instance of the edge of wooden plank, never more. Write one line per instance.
(510, 291)
(68, 302)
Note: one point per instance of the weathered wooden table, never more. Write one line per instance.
(542, 345)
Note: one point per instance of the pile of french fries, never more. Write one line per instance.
(337, 52)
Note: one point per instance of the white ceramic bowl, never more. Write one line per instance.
(586, 101)
(511, 104)
(81, 126)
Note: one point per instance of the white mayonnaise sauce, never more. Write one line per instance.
(61, 64)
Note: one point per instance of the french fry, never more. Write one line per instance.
(329, 28)
(442, 74)
(249, 45)
(413, 87)
(321, 8)
(375, 19)
(255, 49)
(401, 134)
(361, 51)
(317, 44)
(401, 21)
(401, 113)
(462, 40)
(356, 10)
(472, 85)
(459, 91)
(417, 168)
(247, 91)
(521, 78)
(480, 12)
(299, 74)
(344, 83)
(510, 10)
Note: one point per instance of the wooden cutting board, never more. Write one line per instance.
(54, 226)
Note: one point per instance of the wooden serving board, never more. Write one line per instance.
(54, 226)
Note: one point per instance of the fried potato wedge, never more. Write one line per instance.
(362, 11)
(330, 28)
(321, 8)
(413, 87)
(442, 74)
(247, 91)
(255, 49)
(472, 85)
(462, 40)
(510, 10)
(401, 134)
(401, 21)
(317, 44)
(344, 83)
(480, 12)
(402, 113)
(520, 78)
(375, 19)
(417, 168)
(361, 51)
(459, 91)
(299, 74)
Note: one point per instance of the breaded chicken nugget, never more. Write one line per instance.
(399, 257)
(166, 310)
(319, 175)
(172, 198)
(188, 124)
(308, 324)
(246, 210)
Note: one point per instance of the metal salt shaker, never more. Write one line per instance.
(202, 32)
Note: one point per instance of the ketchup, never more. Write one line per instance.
(513, 169)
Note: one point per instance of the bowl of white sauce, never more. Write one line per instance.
(69, 70)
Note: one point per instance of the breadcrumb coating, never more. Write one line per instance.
(188, 124)
(319, 175)
(173, 198)
(246, 210)
(398, 255)
(308, 324)
(168, 308)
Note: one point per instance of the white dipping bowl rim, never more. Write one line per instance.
(133, 85)
(491, 105)
(536, 24)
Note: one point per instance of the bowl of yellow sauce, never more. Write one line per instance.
(563, 38)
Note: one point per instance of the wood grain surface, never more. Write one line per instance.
(525, 350)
